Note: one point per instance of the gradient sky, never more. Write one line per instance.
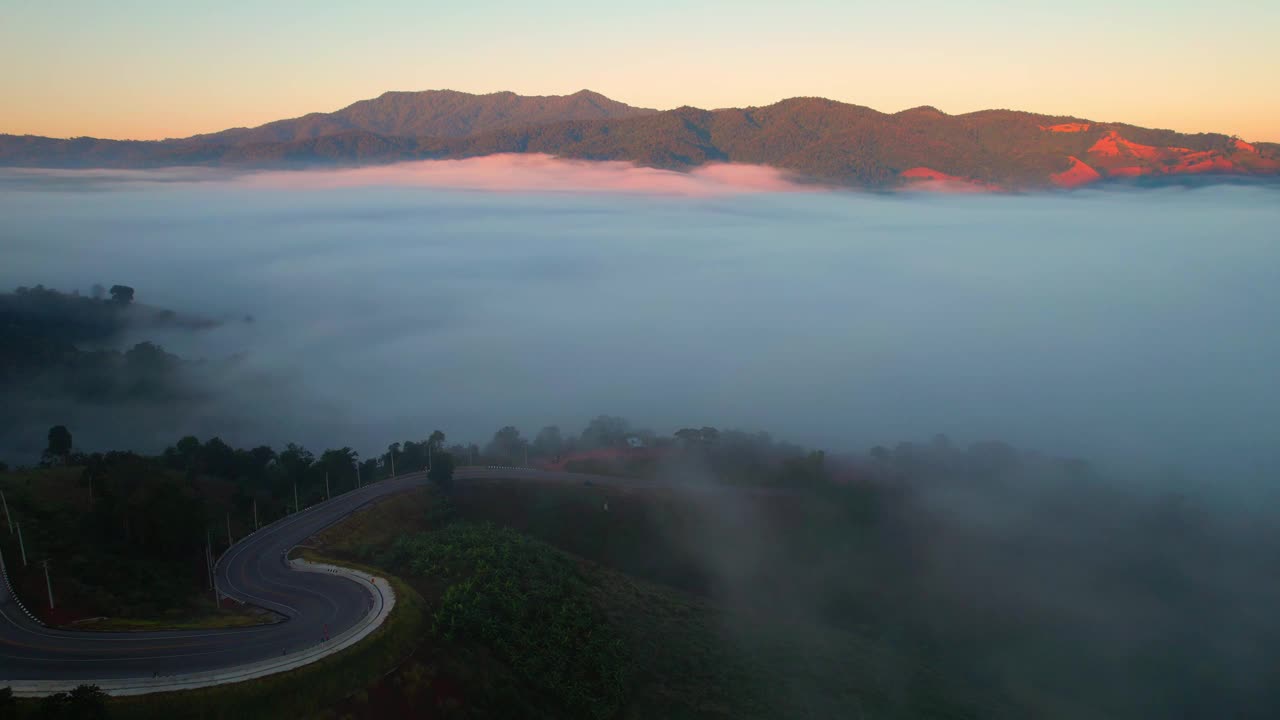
(154, 69)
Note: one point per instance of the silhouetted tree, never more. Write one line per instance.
(59, 443)
(53, 706)
(605, 431)
(87, 702)
(548, 443)
(8, 704)
(442, 471)
(506, 447)
(122, 294)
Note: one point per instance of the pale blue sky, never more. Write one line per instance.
(153, 69)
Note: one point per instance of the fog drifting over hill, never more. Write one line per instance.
(1116, 325)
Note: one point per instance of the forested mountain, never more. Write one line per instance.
(431, 113)
(816, 139)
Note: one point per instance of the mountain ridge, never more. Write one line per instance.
(429, 113)
(815, 139)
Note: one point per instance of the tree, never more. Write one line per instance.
(341, 464)
(442, 471)
(219, 459)
(8, 704)
(507, 446)
(605, 431)
(548, 442)
(436, 441)
(698, 437)
(262, 456)
(122, 294)
(59, 443)
(87, 702)
(53, 706)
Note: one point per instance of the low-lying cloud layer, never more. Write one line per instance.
(540, 173)
(1125, 325)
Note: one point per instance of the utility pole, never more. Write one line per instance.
(430, 453)
(208, 563)
(393, 463)
(255, 515)
(358, 481)
(21, 546)
(229, 541)
(6, 512)
(48, 583)
(295, 497)
(326, 486)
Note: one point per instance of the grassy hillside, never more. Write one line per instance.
(667, 652)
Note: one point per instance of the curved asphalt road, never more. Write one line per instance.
(255, 571)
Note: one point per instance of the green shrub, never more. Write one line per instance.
(527, 604)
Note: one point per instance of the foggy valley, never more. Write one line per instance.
(1022, 447)
(1123, 326)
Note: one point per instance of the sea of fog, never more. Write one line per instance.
(1118, 325)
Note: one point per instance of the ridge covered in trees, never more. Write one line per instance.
(816, 139)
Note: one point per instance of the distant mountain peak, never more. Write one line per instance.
(433, 113)
(810, 137)
(923, 110)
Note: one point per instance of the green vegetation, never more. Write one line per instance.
(663, 645)
(173, 621)
(528, 605)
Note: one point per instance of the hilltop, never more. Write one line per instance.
(816, 139)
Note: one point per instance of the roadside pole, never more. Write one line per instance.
(359, 484)
(430, 453)
(326, 486)
(230, 542)
(295, 497)
(393, 464)
(255, 515)
(208, 562)
(48, 584)
(21, 546)
(6, 512)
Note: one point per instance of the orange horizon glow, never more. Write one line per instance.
(179, 125)
(153, 70)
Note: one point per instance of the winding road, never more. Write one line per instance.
(255, 570)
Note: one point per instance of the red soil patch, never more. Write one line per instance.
(1245, 147)
(923, 178)
(1128, 172)
(1067, 127)
(1076, 175)
(924, 173)
(1112, 145)
(1209, 164)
